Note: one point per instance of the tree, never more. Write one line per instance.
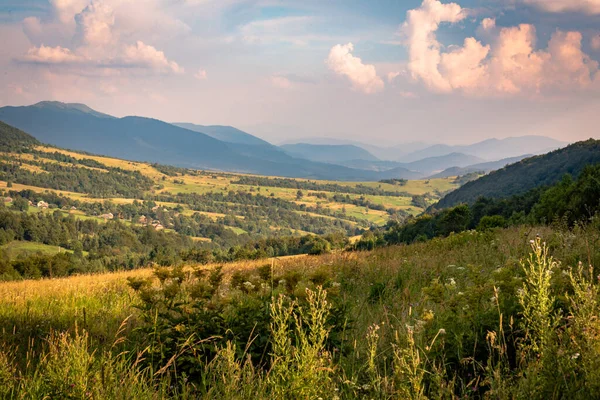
(299, 194)
(20, 204)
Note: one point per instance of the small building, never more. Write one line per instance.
(143, 220)
(107, 216)
(155, 208)
(73, 208)
(157, 225)
(42, 204)
(8, 200)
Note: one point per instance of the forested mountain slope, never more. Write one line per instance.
(527, 174)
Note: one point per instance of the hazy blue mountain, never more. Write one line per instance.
(433, 164)
(328, 153)
(527, 174)
(482, 167)
(371, 165)
(223, 133)
(77, 127)
(491, 149)
(387, 153)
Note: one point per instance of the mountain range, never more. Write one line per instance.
(79, 127)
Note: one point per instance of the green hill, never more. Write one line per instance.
(527, 174)
(12, 139)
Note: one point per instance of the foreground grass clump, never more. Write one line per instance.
(499, 314)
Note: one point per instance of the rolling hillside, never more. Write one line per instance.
(527, 174)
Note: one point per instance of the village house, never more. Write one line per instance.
(143, 220)
(157, 225)
(107, 216)
(42, 204)
(8, 199)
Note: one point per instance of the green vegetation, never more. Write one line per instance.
(569, 202)
(519, 178)
(477, 314)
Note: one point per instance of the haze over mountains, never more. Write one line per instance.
(77, 126)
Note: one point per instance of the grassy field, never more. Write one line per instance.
(16, 248)
(211, 182)
(475, 315)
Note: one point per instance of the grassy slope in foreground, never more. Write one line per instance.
(445, 297)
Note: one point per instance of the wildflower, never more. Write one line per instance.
(336, 284)
(249, 285)
(442, 331)
(575, 356)
(451, 282)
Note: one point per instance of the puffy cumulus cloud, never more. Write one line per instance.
(557, 6)
(96, 42)
(509, 65)
(424, 49)
(201, 74)
(51, 55)
(362, 76)
(143, 55)
(95, 25)
(65, 10)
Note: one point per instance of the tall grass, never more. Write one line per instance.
(475, 315)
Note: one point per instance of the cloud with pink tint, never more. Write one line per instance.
(363, 77)
(146, 56)
(509, 65)
(201, 74)
(96, 44)
(424, 49)
(559, 6)
(392, 75)
(65, 10)
(51, 55)
(95, 25)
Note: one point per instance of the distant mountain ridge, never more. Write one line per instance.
(491, 149)
(481, 167)
(223, 133)
(78, 127)
(330, 153)
(527, 174)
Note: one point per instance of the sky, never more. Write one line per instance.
(377, 71)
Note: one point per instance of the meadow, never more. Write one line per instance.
(501, 313)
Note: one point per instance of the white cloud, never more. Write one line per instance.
(424, 49)
(66, 10)
(97, 43)
(95, 25)
(509, 65)
(51, 55)
(558, 6)
(392, 75)
(362, 76)
(143, 55)
(201, 74)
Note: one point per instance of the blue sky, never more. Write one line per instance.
(382, 70)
